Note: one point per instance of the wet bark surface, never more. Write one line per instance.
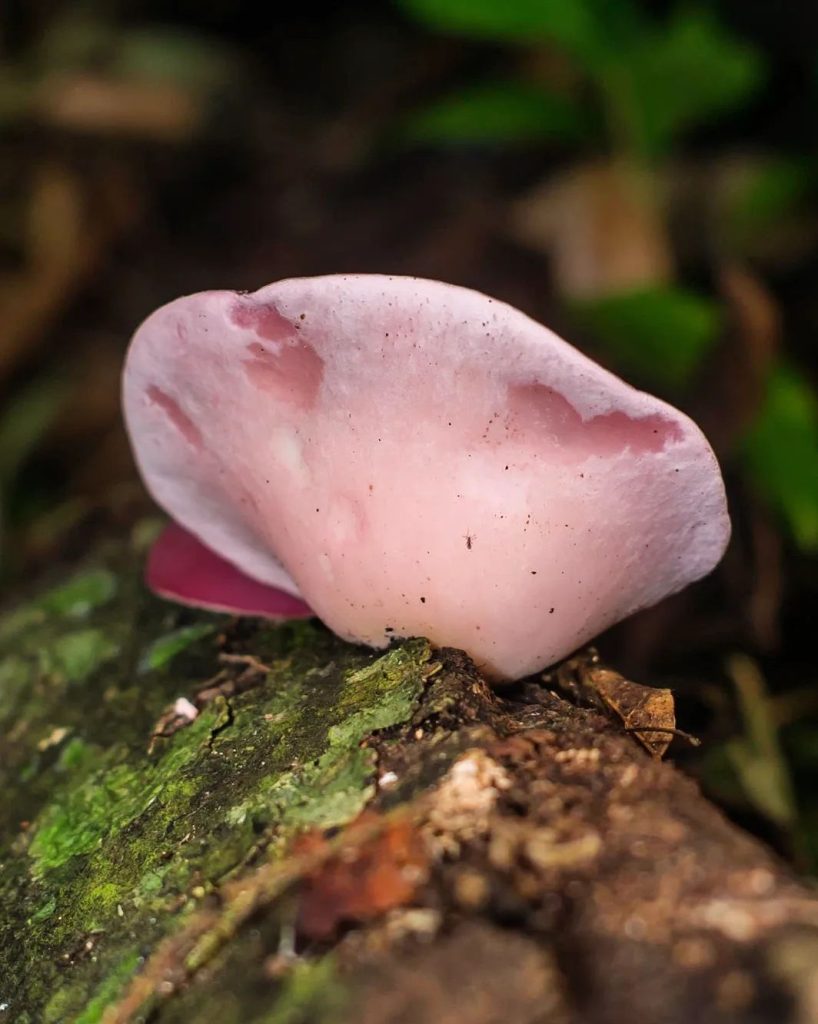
(321, 833)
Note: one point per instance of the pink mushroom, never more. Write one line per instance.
(414, 459)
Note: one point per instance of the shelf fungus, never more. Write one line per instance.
(411, 458)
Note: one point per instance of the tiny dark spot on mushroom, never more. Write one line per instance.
(423, 600)
(550, 611)
(533, 572)
(389, 629)
(303, 316)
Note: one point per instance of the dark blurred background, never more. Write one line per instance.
(641, 176)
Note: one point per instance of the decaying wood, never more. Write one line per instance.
(345, 836)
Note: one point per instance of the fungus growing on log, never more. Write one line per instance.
(414, 459)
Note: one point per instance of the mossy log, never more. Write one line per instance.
(208, 820)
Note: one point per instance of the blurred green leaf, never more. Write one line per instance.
(802, 744)
(781, 452)
(75, 41)
(163, 54)
(74, 38)
(570, 23)
(656, 80)
(16, 96)
(660, 333)
(499, 112)
(162, 651)
(757, 756)
(751, 768)
(25, 420)
(678, 75)
(765, 194)
(80, 595)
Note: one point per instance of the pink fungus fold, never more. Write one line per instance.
(180, 567)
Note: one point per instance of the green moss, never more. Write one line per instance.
(80, 595)
(15, 676)
(110, 988)
(380, 695)
(69, 1002)
(63, 1004)
(311, 994)
(116, 841)
(75, 599)
(77, 755)
(334, 787)
(45, 911)
(74, 656)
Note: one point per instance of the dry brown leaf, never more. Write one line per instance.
(602, 225)
(66, 238)
(364, 881)
(94, 103)
(645, 711)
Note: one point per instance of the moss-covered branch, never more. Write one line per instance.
(323, 833)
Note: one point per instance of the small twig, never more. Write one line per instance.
(248, 660)
(694, 741)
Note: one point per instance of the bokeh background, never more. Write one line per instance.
(642, 176)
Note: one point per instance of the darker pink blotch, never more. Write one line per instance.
(182, 568)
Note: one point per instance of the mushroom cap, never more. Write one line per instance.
(417, 459)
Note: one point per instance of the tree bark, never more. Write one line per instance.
(209, 820)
